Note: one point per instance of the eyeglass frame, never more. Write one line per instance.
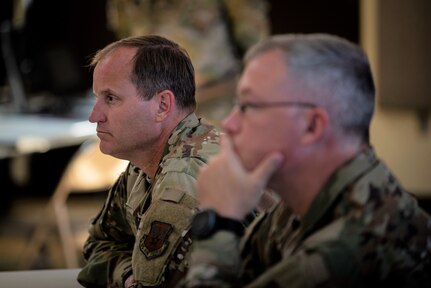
(243, 106)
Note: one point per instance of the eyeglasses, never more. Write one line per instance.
(243, 106)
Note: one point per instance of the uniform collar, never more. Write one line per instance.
(337, 183)
(189, 122)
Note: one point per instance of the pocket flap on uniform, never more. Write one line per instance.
(173, 195)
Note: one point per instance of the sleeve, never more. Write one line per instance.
(215, 262)
(108, 249)
(255, 260)
(297, 270)
(162, 243)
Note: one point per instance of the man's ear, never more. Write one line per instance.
(166, 103)
(317, 124)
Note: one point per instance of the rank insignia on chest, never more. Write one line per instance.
(155, 243)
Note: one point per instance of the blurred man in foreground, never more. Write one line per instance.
(301, 128)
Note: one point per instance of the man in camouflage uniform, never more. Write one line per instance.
(145, 89)
(301, 126)
(214, 32)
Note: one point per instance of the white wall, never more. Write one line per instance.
(396, 134)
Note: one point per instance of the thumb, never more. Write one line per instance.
(226, 143)
(267, 167)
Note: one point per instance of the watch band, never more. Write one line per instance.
(206, 222)
(231, 225)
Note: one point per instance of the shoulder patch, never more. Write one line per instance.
(155, 243)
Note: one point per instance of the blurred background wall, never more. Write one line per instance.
(397, 36)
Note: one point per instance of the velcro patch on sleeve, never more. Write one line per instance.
(161, 228)
(156, 241)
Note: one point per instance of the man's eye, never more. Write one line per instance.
(110, 98)
(243, 108)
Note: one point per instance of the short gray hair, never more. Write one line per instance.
(333, 72)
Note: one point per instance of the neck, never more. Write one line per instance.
(307, 180)
(150, 158)
(150, 164)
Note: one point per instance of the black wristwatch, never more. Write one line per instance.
(207, 222)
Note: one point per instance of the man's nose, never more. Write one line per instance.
(97, 114)
(231, 124)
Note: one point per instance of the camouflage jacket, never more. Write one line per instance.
(362, 230)
(142, 226)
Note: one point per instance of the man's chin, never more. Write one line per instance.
(248, 163)
(106, 149)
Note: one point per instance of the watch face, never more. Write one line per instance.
(203, 224)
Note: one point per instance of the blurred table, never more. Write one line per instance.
(22, 134)
(48, 278)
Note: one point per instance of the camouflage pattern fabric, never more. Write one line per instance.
(143, 226)
(214, 33)
(362, 230)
